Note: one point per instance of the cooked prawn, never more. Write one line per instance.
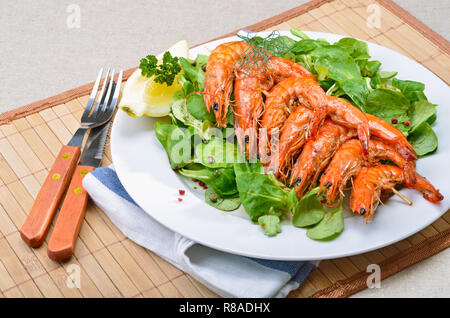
(248, 103)
(350, 116)
(219, 76)
(248, 95)
(316, 155)
(293, 135)
(282, 100)
(369, 182)
(349, 159)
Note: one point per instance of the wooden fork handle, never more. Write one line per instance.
(36, 225)
(68, 223)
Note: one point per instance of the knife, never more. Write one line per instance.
(68, 224)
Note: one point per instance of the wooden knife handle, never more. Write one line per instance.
(36, 225)
(62, 240)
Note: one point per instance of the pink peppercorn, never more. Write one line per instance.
(182, 192)
(180, 199)
(394, 120)
(407, 123)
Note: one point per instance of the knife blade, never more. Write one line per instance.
(93, 153)
(95, 144)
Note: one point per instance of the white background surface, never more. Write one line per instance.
(41, 56)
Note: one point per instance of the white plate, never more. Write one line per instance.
(142, 166)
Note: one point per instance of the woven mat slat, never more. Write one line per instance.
(113, 266)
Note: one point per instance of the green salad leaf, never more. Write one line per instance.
(179, 146)
(309, 210)
(217, 153)
(260, 193)
(222, 203)
(370, 68)
(192, 73)
(386, 75)
(200, 61)
(270, 224)
(180, 112)
(308, 45)
(221, 180)
(299, 34)
(177, 141)
(423, 139)
(358, 50)
(196, 106)
(420, 112)
(162, 131)
(412, 90)
(330, 227)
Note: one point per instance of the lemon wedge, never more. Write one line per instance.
(142, 96)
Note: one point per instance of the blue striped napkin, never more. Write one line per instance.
(226, 274)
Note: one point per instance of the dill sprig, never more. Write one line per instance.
(261, 49)
(258, 54)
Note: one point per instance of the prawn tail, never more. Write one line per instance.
(409, 174)
(405, 149)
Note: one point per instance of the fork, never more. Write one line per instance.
(36, 226)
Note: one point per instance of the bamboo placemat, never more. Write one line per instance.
(113, 266)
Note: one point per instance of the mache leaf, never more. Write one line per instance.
(309, 210)
(423, 139)
(270, 224)
(412, 90)
(421, 111)
(222, 203)
(222, 180)
(330, 227)
(358, 50)
(177, 142)
(216, 153)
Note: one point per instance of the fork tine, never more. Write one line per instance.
(106, 101)
(93, 93)
(102, 94)
(119, 82)
(97, 83)
(113, 103)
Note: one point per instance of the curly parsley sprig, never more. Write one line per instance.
(164, 72)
